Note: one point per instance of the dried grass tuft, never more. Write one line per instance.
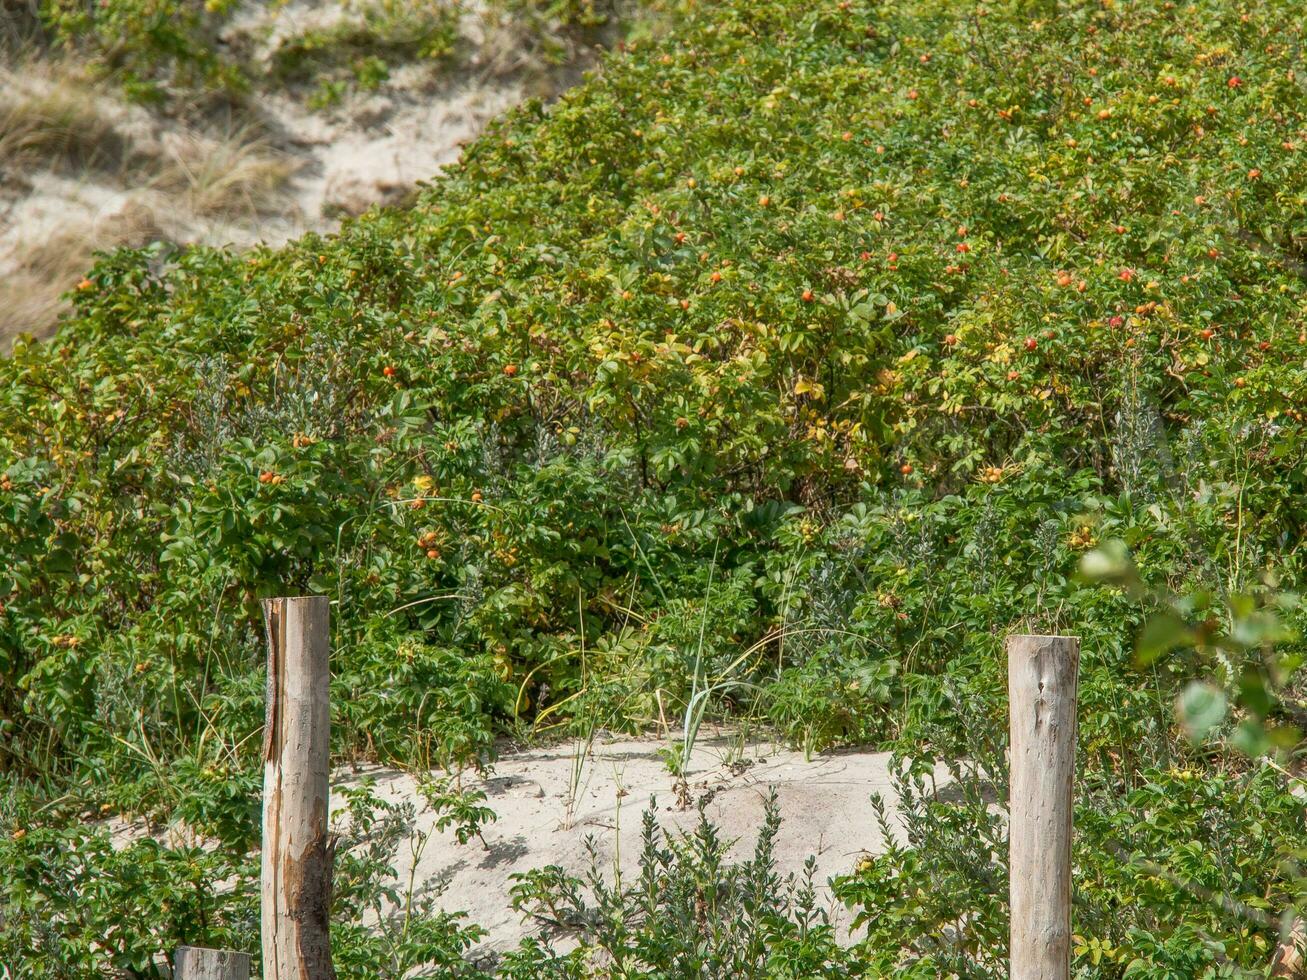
(54, 118)
(47, 267)
(178, 188)
(236, 175)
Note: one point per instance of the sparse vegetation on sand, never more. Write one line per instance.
(86, 174)
(129, 124)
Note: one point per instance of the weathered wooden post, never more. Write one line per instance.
(199, 963)
(1042, 672)
(297, 856)
(1291, 955)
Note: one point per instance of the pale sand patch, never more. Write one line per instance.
(824, 806)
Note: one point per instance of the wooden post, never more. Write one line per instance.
(1043, 672)
(297, 855)
(198, 963)
(1289, 960)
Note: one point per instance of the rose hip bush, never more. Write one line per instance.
(800, 355)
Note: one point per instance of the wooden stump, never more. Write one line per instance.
(297, 856)
(198, 963)
(1289, 958)
(1043, 673)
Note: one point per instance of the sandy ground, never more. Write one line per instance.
(182, 179)
(375, 146)
(823, 804)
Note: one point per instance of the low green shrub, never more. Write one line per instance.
(79, 902)
(1162, 889)
(364, 43)
(689, 912)
(146, 42)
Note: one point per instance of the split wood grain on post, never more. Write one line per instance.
(297, 854)
(199, 963)
(1043, 674)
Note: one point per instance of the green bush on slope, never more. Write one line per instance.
(725, 279)
(795, 263)
(882, 314)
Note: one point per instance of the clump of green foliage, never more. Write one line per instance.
(691, 911)
(79, 904)
(361, 47)
(1160, 891)
(146, 42)
(796, 358)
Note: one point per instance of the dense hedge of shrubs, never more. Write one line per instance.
(798, 358)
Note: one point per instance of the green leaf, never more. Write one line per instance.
(1202, 708)
(1162, 633)
(1110, 564)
